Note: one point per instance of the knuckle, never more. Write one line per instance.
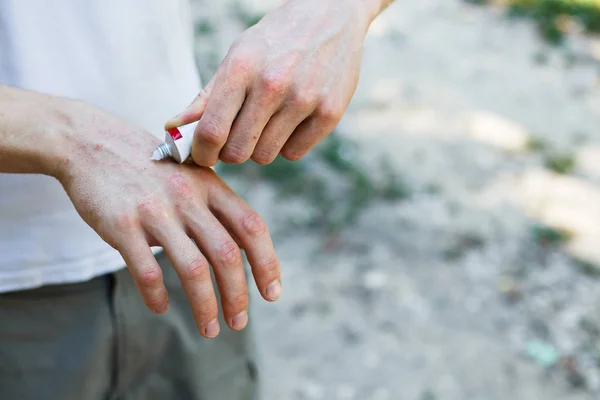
(124, 222)
(304, 100)
(254, 224)
(273, 85)
(196, 269)
(264, 157)
(330, 114)
(269, 268)
(150, 277)
(213, 132)
(155, 303)
(234, 155)
(239, 300)
(240, 65)
(229, 253)
(152, 209)
(206, 311)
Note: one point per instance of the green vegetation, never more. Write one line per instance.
(588, 267)
(331, 179)
(536, 144)
(547, 236)
(204, 27)
(561, 163)
(553, 16)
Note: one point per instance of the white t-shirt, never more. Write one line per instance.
(133, 58)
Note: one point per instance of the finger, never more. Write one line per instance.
(263, 101)
(254, 235)
(276, 134)
(311, 131)
(226, 260)
(233, 235)
(194, 273)
(194, 111)
(145, 271)
(223, 105)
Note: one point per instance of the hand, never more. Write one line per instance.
(283, 86)
(134, 203)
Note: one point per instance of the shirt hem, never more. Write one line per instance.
(73, 272)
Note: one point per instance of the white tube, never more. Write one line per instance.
(177, 145)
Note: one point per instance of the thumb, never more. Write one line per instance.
(194, 111)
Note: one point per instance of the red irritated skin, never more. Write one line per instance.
(134, 203)
(284, 84)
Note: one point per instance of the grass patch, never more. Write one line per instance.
(536, 144)
(553, 17)
(588, 268)
(547, 236)
(560, 163)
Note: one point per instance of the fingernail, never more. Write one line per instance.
(274, 290)
(212, 329)
(240, 321)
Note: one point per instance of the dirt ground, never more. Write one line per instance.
(453, 293)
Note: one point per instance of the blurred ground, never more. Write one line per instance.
(479, 282)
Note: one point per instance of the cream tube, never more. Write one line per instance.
(177, 145)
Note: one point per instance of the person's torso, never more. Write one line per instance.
(133, 58)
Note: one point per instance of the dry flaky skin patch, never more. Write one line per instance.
(446, 292)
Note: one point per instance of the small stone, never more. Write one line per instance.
(508, 287)
(350, 335)
(545, 354)
(575, 377)
(375, 280)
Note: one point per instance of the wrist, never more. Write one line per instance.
(29, 134)
(61, 134)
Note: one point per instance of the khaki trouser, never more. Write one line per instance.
(97, 340)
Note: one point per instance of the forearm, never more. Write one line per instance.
(31, 127)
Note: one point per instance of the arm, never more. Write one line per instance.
(284, 84)
(21, 149)
(97, 157)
